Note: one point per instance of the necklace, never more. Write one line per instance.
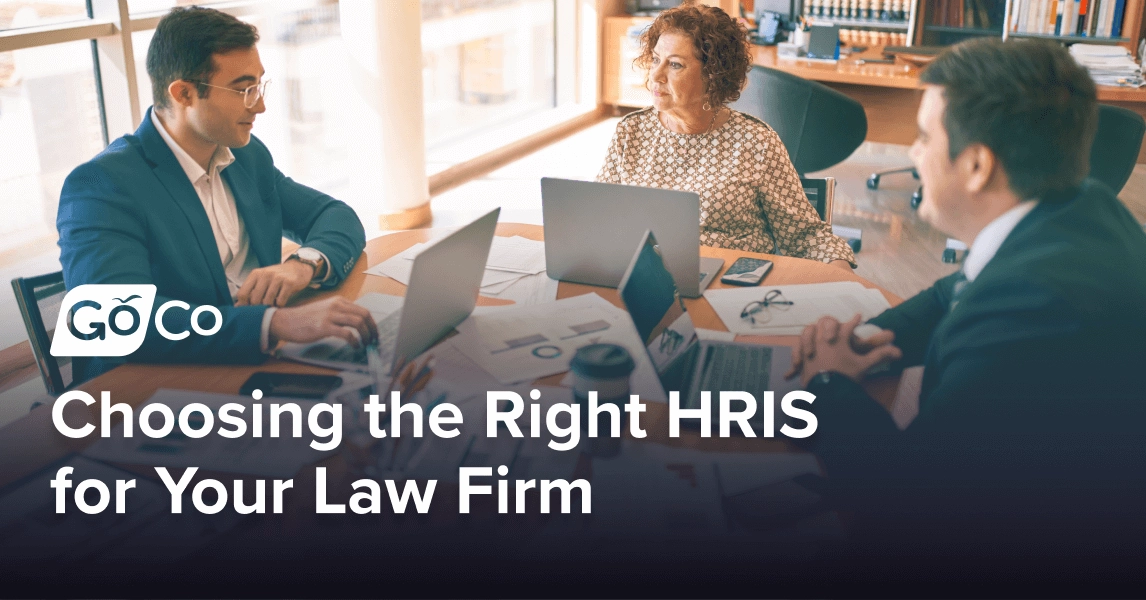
(682, 147)
(715, 114)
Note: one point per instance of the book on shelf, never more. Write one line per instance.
(1077, 18)
(1116, 28)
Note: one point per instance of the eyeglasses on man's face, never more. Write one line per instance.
(251, 94)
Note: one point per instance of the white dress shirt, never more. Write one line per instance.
(226, 222)
(992, 236)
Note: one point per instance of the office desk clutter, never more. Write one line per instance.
(522, 348)
(251, 453)
(1109, 64)
(137, 534)
(515, 270)
(787, 309)
(520, 344)
(660, 491)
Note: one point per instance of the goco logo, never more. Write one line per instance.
(112, 320)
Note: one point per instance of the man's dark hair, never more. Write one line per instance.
(1028, 101)
(183, 44)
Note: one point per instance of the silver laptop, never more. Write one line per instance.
(685, 363)
(444, 285)
(591, 228)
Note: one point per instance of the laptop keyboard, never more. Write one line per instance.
(737, 368)
(387, 336)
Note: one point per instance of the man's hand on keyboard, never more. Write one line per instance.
(337, 317)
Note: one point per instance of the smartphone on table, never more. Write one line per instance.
(291, 385)
(747, 271)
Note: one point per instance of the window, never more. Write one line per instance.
(50, 123)
(494, 71)
(488, 65)
(305, 125)
(17, 14)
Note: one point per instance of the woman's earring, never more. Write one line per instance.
(707, 107)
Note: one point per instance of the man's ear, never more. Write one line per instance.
(979, 167)
(182, 92)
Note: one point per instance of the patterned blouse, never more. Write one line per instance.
(750, 195)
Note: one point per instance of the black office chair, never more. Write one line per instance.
(39, 299)
(1117, 141)
(819, 126)
(916, 196)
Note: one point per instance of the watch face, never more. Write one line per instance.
(309, 254)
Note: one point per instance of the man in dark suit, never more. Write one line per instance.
(1029, 436)
(193, 204)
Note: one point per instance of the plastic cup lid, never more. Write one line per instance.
(602, 361)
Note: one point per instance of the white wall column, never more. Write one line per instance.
(388, 150)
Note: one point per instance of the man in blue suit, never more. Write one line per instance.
(193, 204)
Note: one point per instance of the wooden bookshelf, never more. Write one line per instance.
(944, 22)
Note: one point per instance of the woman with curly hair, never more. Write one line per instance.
(751, 199)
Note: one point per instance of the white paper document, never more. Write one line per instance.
(523, 343)
(515, 270)
(28, 519)
(433, 457)
(652, 489)
(517, 253)
(267, 456)
(806, 303)
(525, 290)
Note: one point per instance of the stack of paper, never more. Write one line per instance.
(434, 457)
(842, 300)
(523, 343)
(265, 456)
(515, 270)
(1108, 65)
(661, 491)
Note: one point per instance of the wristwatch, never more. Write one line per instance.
(312, 257)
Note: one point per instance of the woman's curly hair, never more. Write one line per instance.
(721, 44)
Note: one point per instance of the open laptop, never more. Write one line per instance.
(591, 228)
(685, 363)
(444, 285)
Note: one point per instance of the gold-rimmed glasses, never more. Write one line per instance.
(251, 93)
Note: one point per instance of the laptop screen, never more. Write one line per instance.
(651, 297)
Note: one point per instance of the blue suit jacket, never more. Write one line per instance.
(131, 215)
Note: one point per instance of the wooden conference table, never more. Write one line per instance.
(32, 442)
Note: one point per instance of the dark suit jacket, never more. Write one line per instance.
(1033, 402)
(131, 215)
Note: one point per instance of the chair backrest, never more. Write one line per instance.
(39, 299)
(819, 126)
(821, 191)
(1116, 145)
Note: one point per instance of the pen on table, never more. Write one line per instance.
(875, 61)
